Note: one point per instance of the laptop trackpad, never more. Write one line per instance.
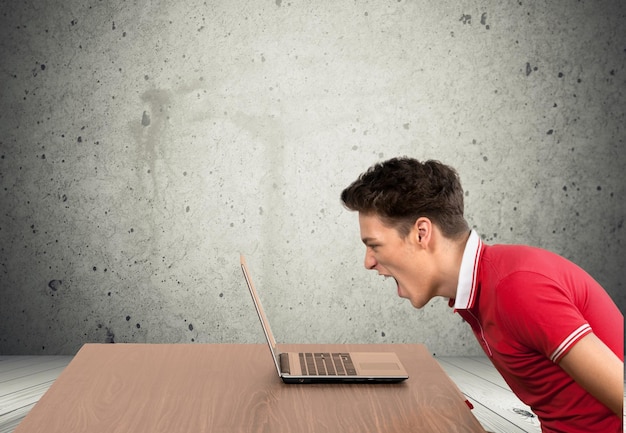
(377, 364)
(373, 366)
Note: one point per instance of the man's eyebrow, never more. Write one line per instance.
(368, 240)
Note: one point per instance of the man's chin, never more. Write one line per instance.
(418, 303)
(415, 302)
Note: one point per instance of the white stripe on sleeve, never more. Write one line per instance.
(569, 341)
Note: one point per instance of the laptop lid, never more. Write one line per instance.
(259, 309)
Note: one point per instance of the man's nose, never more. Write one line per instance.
(370, 261)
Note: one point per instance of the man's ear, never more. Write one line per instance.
(423, 229)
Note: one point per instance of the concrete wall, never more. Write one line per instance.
(145, 144)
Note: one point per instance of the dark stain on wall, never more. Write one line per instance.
(110, 336)
(54, 285)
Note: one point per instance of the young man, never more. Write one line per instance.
(553, 333)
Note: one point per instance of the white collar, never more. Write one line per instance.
(466, 289)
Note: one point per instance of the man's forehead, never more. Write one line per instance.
(372, 227)
(376, 228)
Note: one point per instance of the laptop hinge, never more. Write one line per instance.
(284, 363)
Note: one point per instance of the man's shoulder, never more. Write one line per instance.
(505, 261)
(522, 277)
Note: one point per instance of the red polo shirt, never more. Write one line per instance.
(528, 307)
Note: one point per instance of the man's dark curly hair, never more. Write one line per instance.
(401, 190)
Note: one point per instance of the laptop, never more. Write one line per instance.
(326, 366)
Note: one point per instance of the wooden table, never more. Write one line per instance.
(234, 388)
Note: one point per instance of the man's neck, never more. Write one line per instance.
(450, 256)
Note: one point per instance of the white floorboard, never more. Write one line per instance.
(23, 381)
(495, 405)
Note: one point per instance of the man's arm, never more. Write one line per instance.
(598, 370)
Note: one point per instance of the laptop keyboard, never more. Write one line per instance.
(326, 364)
